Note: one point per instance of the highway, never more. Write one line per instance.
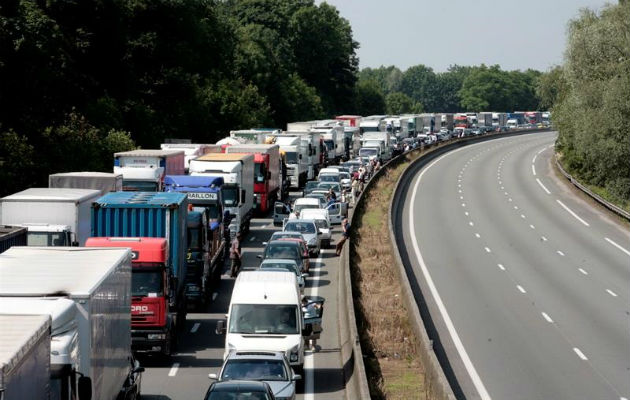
(526, 282)
(185, 375)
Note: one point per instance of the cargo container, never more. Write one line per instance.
(12, 236)
(53, 216)
(24, 357)
(104, 181)
(95, 327)
(144, 170)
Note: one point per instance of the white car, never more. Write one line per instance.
(322, 221)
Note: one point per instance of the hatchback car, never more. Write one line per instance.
(309, 230)
(285, 265)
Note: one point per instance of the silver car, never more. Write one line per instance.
(309, 230)
(270, 367)
(281, 264)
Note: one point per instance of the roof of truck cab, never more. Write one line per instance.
(249, 148)
(45, 271)
(89, 174)
(148, 153)
(61, 310)
(194, 180)
(53, 194)
(144, 249)
(224, 157)
(18, 336)
(141, 199)
(266, 287)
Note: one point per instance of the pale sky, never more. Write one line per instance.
(514, 34)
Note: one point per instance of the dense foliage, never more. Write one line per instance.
(80, 79)
(460, 88)
(590, 98)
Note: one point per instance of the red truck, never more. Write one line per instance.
(267, 173)
(149, 291)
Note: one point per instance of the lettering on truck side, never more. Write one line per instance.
(139, 308)
(202, 196)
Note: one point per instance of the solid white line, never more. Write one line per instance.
(173, 370)
(559, 252)
(543, 186)
(572, 213)
(195, 327)
(476, 379)
(501, 266)
(583, 271)
(487, 249)
(520, 288)
(214, 296)
(541, 150)
(580, 354)
(534, 159)
(610, 292)
(617, 246)
(544, 239)
(547, 317)
(309, 359)
(533, 170)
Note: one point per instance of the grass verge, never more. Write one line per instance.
(392, 364)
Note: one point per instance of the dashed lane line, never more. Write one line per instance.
(173, 370)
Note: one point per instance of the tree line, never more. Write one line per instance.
(589, 96)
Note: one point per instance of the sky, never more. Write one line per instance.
(515, 34)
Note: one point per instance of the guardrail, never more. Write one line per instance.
(619, 211)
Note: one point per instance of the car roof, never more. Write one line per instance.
(302, 221)
(283, 242)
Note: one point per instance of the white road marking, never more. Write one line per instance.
(544, 239)
(251, 239)
(214, 296)
(510, 200)
(543, 186)
(463, 204)
(195, 327)
(487, 249)
(523, 216)
(501, 266)
(617, 246)
(516, 207)
(583, 271)
(572, 213)
(534, 159)
(533, 170)
(580, 354)
(547, 317)
(309, 358)
(477, 235)
(505, 193)
(459, 191)
(470, 368)
(532, 226)
(559, 252)
(520, 288)
(501, 183)
(471, 223)
(461, 197)
(541, 150)
(502, 188)
(173, 370)
(610, 292)
(466, 213)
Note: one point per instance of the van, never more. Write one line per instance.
(265, 314)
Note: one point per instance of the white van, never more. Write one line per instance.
(322, 221)
(265, 314)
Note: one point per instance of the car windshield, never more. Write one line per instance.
(291, 157)
(254, 370)
(282, 250)
(301, 207)
(280, 319)
(285, 235)
(321, 224)
(367, 152)
(147, 282)
(344, 175)
(282, 265)
(329, 178)
(327, 185)
(230, 197)
(330, 145)
(302, 227)
(259, 173)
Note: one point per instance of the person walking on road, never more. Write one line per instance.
(227, 219)
(345, 226)
(354, 190)
(235, 255)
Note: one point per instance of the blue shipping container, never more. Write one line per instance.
(145, 214)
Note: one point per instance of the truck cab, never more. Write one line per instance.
(144, 170)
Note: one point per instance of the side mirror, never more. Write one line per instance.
(220, 327)
(214, 377)
(85, 388)
(296, 377)
(259, 256)
(264, 243)
(243, 193)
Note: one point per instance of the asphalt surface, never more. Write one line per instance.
(185, 374)
(527, 283)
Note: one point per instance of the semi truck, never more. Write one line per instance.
(296, 156)
(447, 121)
(267, 173)
(462, 121)
(191, 150)
(499, 120)
(53, 216)
(12, 236)
(533, 117)
(484, 119)
(371, 139)
(144, 170)
(151, 215)
(87, 293)
(237, 171)
(24, 357)
(104, 181)
(350, 120)
(334, 140)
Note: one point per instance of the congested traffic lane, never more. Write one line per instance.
(185, 374)
(520, 289)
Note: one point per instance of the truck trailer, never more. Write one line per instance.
(12, 236)
(144, 170)
(53, 216)
(104, 181)
(191, 150)
(91, 340)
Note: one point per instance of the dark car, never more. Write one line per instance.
(285, 249)
(231, 390)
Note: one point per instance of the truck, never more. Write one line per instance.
(53, 216)
(430, 124)
(144, 170)
(141, 215)
(533, 117)
(462, 121)
(87, 293)
(12, 236)
(297, 157)
(267, 173)
(484, 120)
(518, 117)
(254, 136)
(350, 120)
(237, 171)
(24, 357)
(191, 150)
(372, 124)
(205, 233)
(372, 139)
(447, 121)
(352, 141)
(498, 120)
(104, 181)
(334, 140)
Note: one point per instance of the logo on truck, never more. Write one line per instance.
(202, 196)
(139, 308)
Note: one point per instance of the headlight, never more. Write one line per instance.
(294, 353)
(156, 336)
(312, 242)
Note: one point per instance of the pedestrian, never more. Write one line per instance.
(235, 255)
(345, 226)
(354, 191)
(311, 310)
(227, 219)
(332, 194)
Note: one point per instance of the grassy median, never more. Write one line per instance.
(389, 346)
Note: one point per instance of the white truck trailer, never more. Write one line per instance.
(53, 216)
(484, 119)
(104, 181)
(297, 157)
(191, 150)
(87, 293)
(24, 357)
(334, 140)
(370, 139)
(144, 170)
(237, 171)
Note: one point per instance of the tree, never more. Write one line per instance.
(420, 83)
(400, 103)
(16, 162)
(369, 99)
(551, 87)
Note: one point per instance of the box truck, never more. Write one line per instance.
(53, 216)
(191, 150)
(24, 357)
(104, 181)
(87, 293)
(144, 170)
